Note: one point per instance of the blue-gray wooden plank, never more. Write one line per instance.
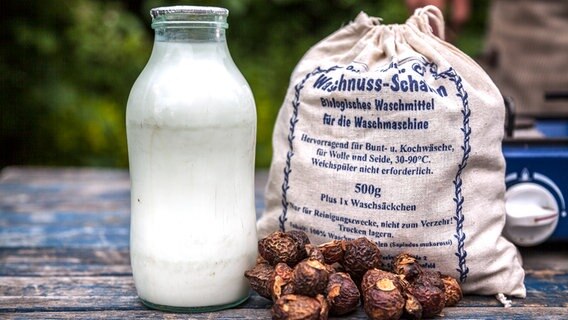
(69, 207)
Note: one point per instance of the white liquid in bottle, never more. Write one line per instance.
(191, 127)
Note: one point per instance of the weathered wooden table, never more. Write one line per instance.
(64, 254)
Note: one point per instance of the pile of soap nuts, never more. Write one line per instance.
(311, 282)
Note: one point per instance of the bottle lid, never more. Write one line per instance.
(189, 16)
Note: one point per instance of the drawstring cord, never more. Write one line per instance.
(432, 14)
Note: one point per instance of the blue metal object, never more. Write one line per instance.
(543, 162)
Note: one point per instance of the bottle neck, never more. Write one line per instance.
(190, 34)
(183, 32)
(181, 45)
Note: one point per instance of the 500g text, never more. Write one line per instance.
(364, 188)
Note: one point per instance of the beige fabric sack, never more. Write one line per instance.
(388, 132)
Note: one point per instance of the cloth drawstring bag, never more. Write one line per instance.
(391, 133)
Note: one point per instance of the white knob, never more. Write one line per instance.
(532, 214)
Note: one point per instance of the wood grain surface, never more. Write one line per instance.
(64, 236)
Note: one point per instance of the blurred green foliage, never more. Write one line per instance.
(66, 67)
(66, 73)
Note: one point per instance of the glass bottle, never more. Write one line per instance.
(191, 128)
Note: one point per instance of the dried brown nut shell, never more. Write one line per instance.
(342, 293)
(373, 276)
(281, 281)
(300, 237)
(435, 278)
(260, 278)
(383, 300)
(297, 307)
(261, 260)
(426, 288)
(302, 240)
(281, 247)
(310, 277)
(452, 291)
(407, 265)
(332, 251)
(412, 308)
(361, 255)
(324, 312)
(314, 253)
